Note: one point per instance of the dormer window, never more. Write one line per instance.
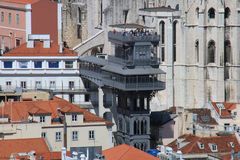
(42, 119)
(213, 148)
(200, 145)
(74, 117)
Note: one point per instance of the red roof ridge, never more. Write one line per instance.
(38, 50)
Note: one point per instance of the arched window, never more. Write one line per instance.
(79, 15)
(211, 13)
(227, 52)
(142, 127)
(120, 124)
(227, 12)
(197, 12)
(174, 40)
(197, 50)
(162, 33)
(177, 7)
(135, 127)
(211, 51)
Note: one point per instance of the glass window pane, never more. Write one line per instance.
(53, 64)
(7, 64)
(38, 64)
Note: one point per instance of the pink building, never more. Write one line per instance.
(19, 18)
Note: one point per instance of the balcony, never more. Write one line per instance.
(140, 86)
(128, 37)
(154, 61)
(131, 112)
(54, 89)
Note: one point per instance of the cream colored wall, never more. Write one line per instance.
(19, 131)
(101, 136)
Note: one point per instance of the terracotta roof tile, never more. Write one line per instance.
(7, 147)
(226, 112)
(192, 146)
(126, 152)
(21, 1)
(19, 111)
(203, 116)
(38, 50)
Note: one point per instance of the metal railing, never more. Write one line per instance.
(7, 89)
(129, 37)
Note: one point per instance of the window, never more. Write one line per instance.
(17, 19)
(71, 85)
(52, 85)
(9, 18)
(43, 134)
(79, 31)
(23, 64)
(227, 12)
(214, 148)
(79, 15)
(37, 64)
(69, 64)
(2, 17)
(74, 117)
(87, 98)
(23, 84)
(162, 31)
(227, 52)
(42, 118)
(91, 135)
(7, 64)
(71, 98)
(58, 136)
(38, 84)
(197, 13)
(211, 52)
(211, 13)
(197, 50)
(174, 41)
(177, 7)
(18, 42)
(8, 83)
(74, 135)
(53, 64)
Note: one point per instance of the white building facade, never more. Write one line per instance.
(43, 66)
(199, 50)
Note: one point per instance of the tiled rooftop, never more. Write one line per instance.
(191, 144)
(203, 116)
(38, 50)
(226, 111)
(19, 111)
(126, 152)
(21, 1)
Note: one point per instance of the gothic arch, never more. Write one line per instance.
(227, 12)
(227, 51)
(211, 51)
(175, 40)
(197, 50)
(211, 13)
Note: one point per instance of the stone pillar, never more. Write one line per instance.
(169, 51)
(220, 85)
(202, 60)
(100, 102)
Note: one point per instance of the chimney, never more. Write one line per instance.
(30, 44)
(60, 47)
(39, 37)
(46, 43)
(64, 151)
